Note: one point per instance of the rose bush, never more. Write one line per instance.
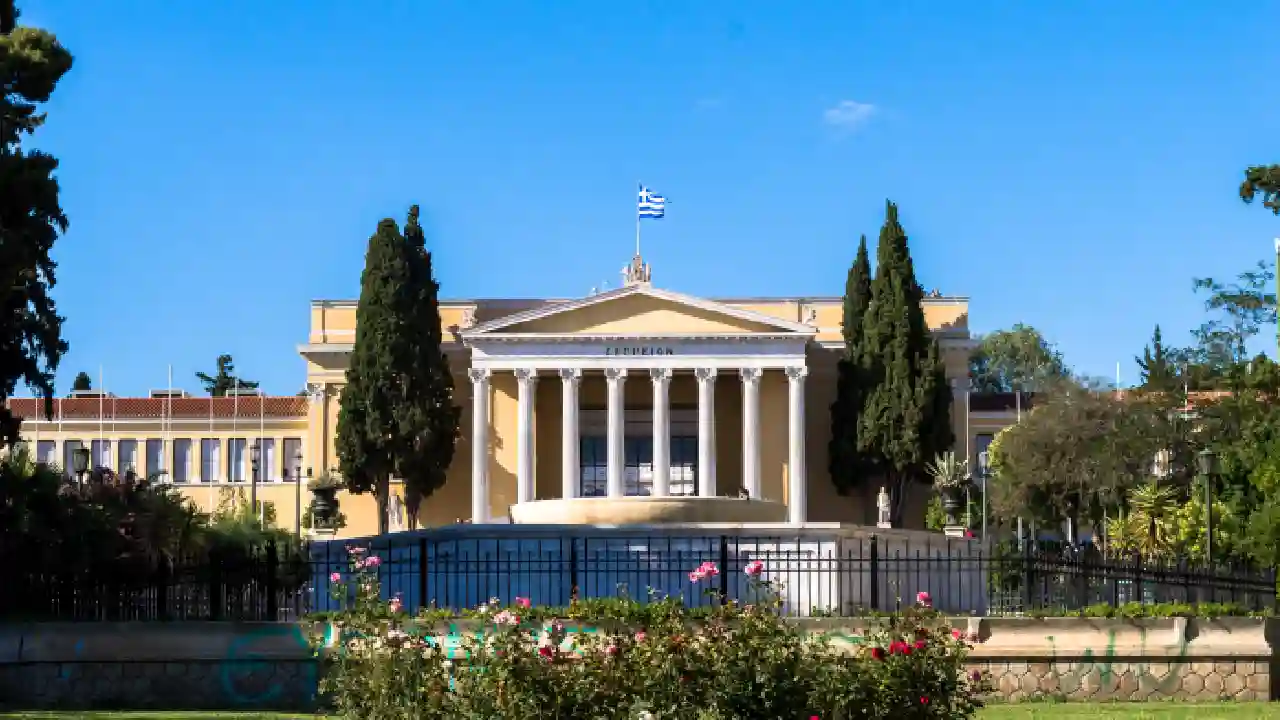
(656, 660)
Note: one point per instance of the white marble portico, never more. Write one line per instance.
(675, 335)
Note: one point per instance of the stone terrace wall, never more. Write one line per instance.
(170, 666)
(240, 666)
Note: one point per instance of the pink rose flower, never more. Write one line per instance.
(640, 636)
(705, 570)
(754, 568)
(335, 577)
(957, 634)
(524, 602)
(373, 561)
(923, 599)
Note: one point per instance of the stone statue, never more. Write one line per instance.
(882, 506)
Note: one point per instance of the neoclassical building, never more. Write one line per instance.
(635, 405)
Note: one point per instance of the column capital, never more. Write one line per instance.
(660, 374)
(527, 375)
(705, 374)
(750, 375)
(797, 372)
(615, 374)
(478, 374)
(570, 374)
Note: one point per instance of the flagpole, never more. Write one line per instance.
(168, 429)
(641, 187)
(101, 411)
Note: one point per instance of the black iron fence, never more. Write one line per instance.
(243, 583)
(817, 573)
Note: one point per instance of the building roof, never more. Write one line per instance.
(140, 408)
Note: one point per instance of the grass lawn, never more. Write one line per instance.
(1034, 711)
(1132, 711)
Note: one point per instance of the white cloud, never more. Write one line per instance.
(848, 115)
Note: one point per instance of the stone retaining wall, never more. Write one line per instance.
(239, 666)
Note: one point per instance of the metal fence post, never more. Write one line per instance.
(873, 570)
(422, 576)
(215, 584)
(272, 586)
(163, 580)
(724, 569)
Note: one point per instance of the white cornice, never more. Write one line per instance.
(785, 326)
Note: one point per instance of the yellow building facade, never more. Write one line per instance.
(635, 405)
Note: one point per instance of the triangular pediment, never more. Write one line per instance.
(640, 311)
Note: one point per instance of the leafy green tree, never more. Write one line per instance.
(32, 61)
(225, 379)
(906, 418)
(427, 416)
(1262, 180)
(1018, 359)
(846, 464)
(1240, 310)
(1158, 373)
(1078, 453)
(82, 382)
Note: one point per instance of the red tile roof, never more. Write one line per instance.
(141, 408)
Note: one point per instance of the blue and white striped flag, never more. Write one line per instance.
(650, 204)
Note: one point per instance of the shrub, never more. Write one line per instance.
(653, 660)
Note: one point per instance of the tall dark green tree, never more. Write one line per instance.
(82, 382)
(224, 378)
(845, 463)
(32, 61)
(367, 418)
(1158, 371)
(428, 417)
(396, 414)
(906, 419)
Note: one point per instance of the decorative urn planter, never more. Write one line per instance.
(952, 502)
(325, 505)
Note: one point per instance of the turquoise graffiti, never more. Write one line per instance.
(1104, 663)
(242, 671)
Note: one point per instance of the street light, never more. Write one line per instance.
(255, 455)
(80, 462)
(1207, 463)
(297, 494)
(984, 470)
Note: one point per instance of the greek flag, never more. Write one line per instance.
(650, 204)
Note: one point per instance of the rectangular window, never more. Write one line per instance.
(594, 466)
(684, 465)
(100, 454)
(182, 460)
(127, 456)
(293, 458)
(209, 449)
(47, 452)
(155, 457)
(980, 445)
(69, 448)
(268, 466)
(236, 460)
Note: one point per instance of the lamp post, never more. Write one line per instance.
(297, 494)
(255, 455)
(80, 463)
(1207, 461)
(984, 470)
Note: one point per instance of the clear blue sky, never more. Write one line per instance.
(1068, 165)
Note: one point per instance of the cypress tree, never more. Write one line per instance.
(1157, 370)
(427, 417)
(368, 412)
(845, 464)
(906, 417)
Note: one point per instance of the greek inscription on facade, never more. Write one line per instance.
(638, 351)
